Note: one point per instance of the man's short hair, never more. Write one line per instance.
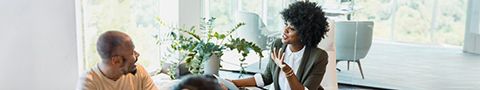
(108, 41)
(198, 82)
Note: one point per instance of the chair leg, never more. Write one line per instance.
(348, 65)
(360, 67)
(336, 63)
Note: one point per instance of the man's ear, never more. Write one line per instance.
(117, 60)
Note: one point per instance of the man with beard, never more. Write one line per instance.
(117, 69)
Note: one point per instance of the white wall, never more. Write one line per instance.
(181, 12)
(472, 35)
(37, 45)
(190, 12)
(169, 11)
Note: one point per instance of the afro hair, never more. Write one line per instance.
(308, 20)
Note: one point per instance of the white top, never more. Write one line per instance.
(292, 59)
(94, 80)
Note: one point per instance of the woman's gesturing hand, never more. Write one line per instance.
(278, 56)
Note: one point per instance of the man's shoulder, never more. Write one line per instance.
(88, 75)
(141, 71)
(87, 80)
(144, 77)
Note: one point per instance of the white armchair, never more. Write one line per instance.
(353, 41)
(252, 31)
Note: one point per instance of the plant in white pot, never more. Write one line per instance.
(202, 54)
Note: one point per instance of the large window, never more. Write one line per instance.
(415, 21)
(136, 18)
(412, 21)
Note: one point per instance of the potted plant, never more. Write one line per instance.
(202, 50)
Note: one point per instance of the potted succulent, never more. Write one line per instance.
(202, 50)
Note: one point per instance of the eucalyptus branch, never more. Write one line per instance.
(229, 33)
(191, 33)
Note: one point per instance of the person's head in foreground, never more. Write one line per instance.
(305, 24)
(199, 82)
(117, 69)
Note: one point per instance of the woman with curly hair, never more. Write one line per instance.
(296, 61)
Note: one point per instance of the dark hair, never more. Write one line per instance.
(108, 41)
(308, 20)
(198, 82)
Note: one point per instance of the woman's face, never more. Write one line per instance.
(290, 35)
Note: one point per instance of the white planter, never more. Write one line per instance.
(212, 65)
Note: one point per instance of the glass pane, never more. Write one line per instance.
(413, 20)
(379, 11)
(254, 6)
(450, 22)
(136, 18)
(222, 10)
(274, 19)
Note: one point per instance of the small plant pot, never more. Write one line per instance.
(212, 65)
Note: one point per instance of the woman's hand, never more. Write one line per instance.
(278, 56)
